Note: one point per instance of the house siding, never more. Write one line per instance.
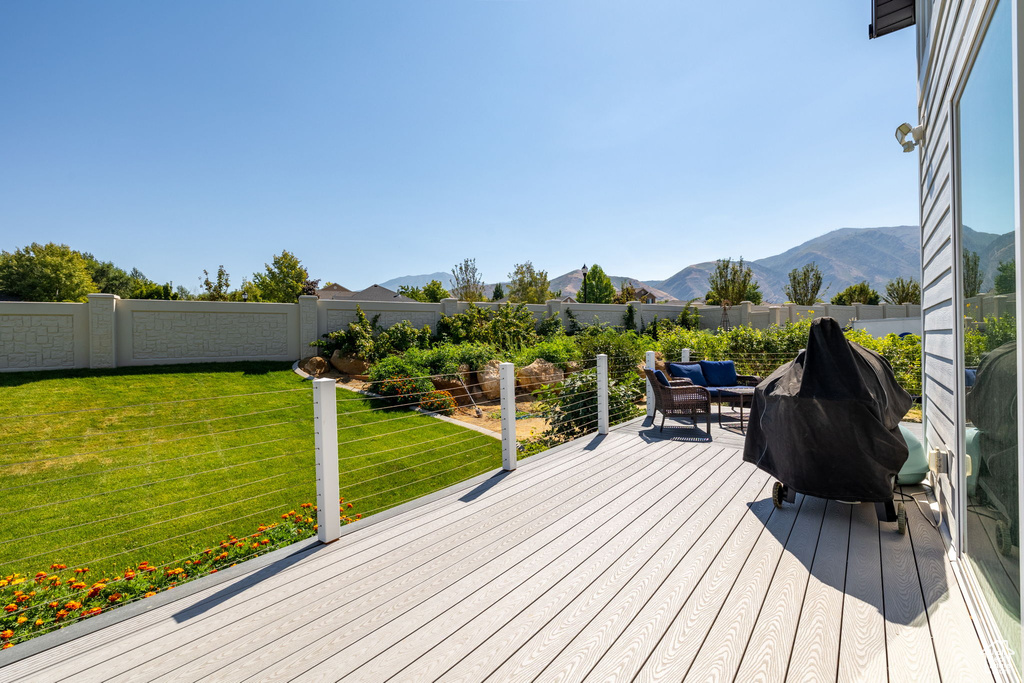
(952, 33)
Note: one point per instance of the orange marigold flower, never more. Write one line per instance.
(307, 505)
(74, 604)
(7, 634)
(265, 541)
(41, 575)
(115, 597)
(5, 646)
(129, 574)
(284, 516)
(39, 622)
(147, 595)
(58, 566)
(349, 505)
(22, 619)
(213, 571)
(61, 614)
(78, 585)
(54, 605)
(10, 608)
(359, 516)
(81, 570)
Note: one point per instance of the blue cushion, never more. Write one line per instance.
(661, 377)
(715, 392)
(690, 371)
(719, 373)
(972, 376)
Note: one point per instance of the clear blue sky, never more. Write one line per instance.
(382, 138)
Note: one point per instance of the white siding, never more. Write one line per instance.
(951, 33)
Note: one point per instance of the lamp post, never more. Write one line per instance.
(584, 288)
(245, 297)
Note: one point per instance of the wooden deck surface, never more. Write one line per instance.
(640, 555)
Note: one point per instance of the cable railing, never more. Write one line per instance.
(142, 496)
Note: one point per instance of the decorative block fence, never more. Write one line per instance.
(110, 332)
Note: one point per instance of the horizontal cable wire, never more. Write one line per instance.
(142, 429)
(435, 425)
(148, 483)
(139, 512)
(151, 443)
(417, 481)
(429, 462)
(158, 523)
(370, 396)
(405, 457)
(396, 448)
(146, 464)
(155, 403)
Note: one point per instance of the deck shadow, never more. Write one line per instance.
(867, 574)
(253, 579)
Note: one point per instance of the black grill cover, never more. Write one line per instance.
(827, 423)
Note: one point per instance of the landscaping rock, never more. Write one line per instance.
(488, 377)
(537, 373)
(455, 387)
(350, 365)
(314, 365)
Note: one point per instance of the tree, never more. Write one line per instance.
(596, 288)
(973, 275)
(902, 291)
(804, 285)
(626, 294)
(414, 293)
(732, 282)
(858, 293)
(434, 291)
(1006, 278)
(309, 287)
(283, 279)
(528, 285)
(499, 293)
(151, 290)
(216, 290)
(110, 279)
(467, 284)
(50, 272)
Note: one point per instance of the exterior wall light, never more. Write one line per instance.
(905, 129)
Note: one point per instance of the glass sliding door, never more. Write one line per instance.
(988, 269)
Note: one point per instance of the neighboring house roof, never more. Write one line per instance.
(569, 300)
(643, 295)
(334, 291)
(376, 293)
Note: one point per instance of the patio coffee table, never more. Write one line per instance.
(734, 395)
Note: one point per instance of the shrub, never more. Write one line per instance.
(513, 327)
(445, 358)
(998, 331)
(571, 406)
(468, 326)
(399, 380)
(357, 339)
(560, 350)
(399, 338)
(858, 293)
(438, 402)
(550, 326)
(629, 318)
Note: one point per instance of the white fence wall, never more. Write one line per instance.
(110, 332)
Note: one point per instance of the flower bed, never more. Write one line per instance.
(49, 600)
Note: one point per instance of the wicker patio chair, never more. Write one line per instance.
(682, 398)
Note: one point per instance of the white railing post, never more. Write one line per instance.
(325, 428)
(685, 356)
(602, 394)
(507, 380)
(650, 390)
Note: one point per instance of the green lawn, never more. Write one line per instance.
(106, 469)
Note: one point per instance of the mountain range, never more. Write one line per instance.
(845, 256)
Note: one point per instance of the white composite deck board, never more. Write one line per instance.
(645, 555)
(768, 649)
(815, 653)
(862, 654)
(552, 615)
(389, 552)
(689, 632)
(366, 624)
(648, 528)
